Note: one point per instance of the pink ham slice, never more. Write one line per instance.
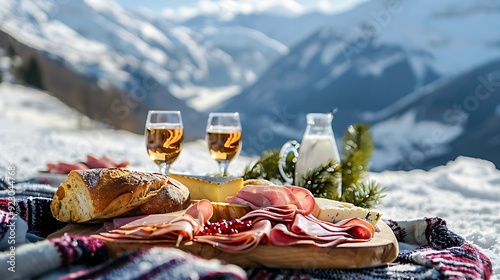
(281, 236)
(154, 220)
(239, 242)
(257, 197)
(142, 231)
(360, 228)
(176, 226)
(291, 227)
(277, 214)
(307, 231)
(202, 211)
(281, 216)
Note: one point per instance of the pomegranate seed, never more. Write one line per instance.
(226, 227)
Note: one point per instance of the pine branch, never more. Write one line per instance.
(265, 168)
(357, 149)
(323, 180)
(365, 195)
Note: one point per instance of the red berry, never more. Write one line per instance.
(226, 227)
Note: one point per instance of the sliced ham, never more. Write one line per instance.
(136, 232)
(202, 211)
(281, 216)
(104, 162)
(65, 168)
(305, 198)
(291, 227)
(154, 220)
(362, 228)
(91, 162)
(281, 236)
(305, 231)
(257, 196)
(183, 229)
(356, 228)
(239, 242)
(175, 226)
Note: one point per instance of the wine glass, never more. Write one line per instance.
(223, 137)
(164, 137)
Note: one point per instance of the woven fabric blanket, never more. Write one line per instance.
(428, 250)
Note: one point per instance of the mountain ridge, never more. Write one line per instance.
(113, 64)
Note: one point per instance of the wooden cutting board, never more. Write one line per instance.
(382, 249)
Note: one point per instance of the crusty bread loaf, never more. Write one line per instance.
(95, 194)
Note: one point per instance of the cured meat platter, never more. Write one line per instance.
(380, 250)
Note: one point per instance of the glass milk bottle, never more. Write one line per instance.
(317, 148)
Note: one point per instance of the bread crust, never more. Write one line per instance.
(95, 194)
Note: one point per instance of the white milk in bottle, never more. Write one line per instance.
(318, 146)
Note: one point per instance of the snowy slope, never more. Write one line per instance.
(367, 60)
(217, 54)
(104, 41)
(374, 55)
(446, 31)
(450, 117)
(464, 192)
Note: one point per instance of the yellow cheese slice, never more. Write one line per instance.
(334, 211)
(212, 188)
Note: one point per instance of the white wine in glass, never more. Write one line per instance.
(164, 138)
(223, 137)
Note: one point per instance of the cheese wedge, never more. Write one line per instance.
(334, 211)
(215, 189)
(227, 211)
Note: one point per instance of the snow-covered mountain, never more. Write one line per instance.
(366, 61)
(105, 40)
(115, 45)
(315, 77)
(114, 64)
(447, 118)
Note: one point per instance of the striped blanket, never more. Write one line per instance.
(428, 250)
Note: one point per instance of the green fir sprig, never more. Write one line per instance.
(323, 180)
(363, 194)
(357, 149)
(266, 168)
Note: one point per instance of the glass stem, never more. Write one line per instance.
(223, 167)
(164, 168)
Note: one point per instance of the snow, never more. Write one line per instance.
(330, 51)
(36, 128)
(309, 54)
(205, 98)
(376, 67)
(118, 46)
(114, 45)
(438, 28)
(422, 139)
(434, 35)
(242, 36)
(227, 10)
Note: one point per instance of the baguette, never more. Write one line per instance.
(97, 194)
